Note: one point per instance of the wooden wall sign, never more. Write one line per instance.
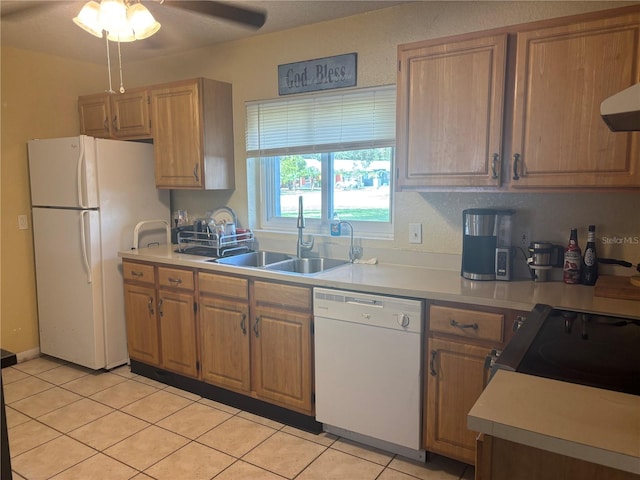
(318, 74)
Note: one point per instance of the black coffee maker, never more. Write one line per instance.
(481, 230)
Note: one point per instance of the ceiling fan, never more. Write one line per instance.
(245, 16)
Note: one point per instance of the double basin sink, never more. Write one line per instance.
(281, 262)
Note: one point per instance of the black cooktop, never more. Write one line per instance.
(594, 350)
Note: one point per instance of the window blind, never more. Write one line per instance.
(325, 122)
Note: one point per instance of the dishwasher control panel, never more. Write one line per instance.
(375, 310)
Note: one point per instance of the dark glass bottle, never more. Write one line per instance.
(572, 259)
(590, 259)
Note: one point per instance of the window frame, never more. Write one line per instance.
(266, 192)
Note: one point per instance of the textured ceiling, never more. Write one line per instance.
(47, 26)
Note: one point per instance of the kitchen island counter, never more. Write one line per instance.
(417, 282)
(586, 423)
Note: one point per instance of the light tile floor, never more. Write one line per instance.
(66, 422)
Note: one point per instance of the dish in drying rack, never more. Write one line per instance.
(224, 215)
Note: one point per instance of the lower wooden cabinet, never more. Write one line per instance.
(256, 339)
(142, 323)
(282, 345)
(281, 348)
(500, 459)
(459, 339)
(455, 380)
(178, 332)
(160, 316)
(224, 336)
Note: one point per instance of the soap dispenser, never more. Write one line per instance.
(335, 225)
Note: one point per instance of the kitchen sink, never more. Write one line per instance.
(253, 259)
(306, 265)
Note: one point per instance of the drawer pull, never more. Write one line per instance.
(177, 281)
(453, 323)
(518, 322)
(243, 324)
(150, 305)
(432, 369)
(136, 273)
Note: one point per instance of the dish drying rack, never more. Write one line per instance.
(211, 243)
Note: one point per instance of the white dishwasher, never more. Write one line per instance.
(368, 357)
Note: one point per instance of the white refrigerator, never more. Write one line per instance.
(87, 196)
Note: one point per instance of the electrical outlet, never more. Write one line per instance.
(523, 238)
(23, 223)
(415, 233)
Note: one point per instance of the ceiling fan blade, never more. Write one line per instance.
(245, 16)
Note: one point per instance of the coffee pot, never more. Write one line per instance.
(486, 244)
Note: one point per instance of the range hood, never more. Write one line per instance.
(622, 110)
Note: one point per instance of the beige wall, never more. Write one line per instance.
(39, 99)
(44, 105)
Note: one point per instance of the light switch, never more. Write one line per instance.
(415, 233)
(23, 223)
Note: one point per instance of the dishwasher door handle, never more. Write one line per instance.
(364, 301)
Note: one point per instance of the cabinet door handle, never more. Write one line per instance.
(516, 158)
(160, 308)
(494, 164)
(115, 123)
(517, 323)
(255, 327)
(432, 368)
(177, 281)
(453, 323)
(106, 124)
(150, 305)
(243, 324)
(195, 173)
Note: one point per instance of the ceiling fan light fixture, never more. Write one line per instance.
(113, 15)
(142, 22)
(124, 35)
(87, 19)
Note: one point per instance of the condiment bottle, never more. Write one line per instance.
(590, 259)
(572, 259)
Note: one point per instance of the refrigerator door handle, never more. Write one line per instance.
(80, 177)
(83, 242)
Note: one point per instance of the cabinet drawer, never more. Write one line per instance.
(466, 323)
(175, 278)
(282, 295)
(223, 285)
(138, 272)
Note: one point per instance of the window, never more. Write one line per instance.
(335, 150)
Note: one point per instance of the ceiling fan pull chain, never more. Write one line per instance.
(120, 63)
(109, 65)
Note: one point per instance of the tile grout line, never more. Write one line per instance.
(238, 413)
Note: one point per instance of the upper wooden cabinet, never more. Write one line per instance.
(562, 76)
(558, 72)
(449, 118)
(193, 134)
(116, 115)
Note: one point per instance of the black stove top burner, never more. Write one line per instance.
(591, 350)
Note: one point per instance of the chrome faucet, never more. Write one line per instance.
(302, 247)
(354, 252)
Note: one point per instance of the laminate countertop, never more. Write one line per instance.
(591, 424)
(417, 282)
